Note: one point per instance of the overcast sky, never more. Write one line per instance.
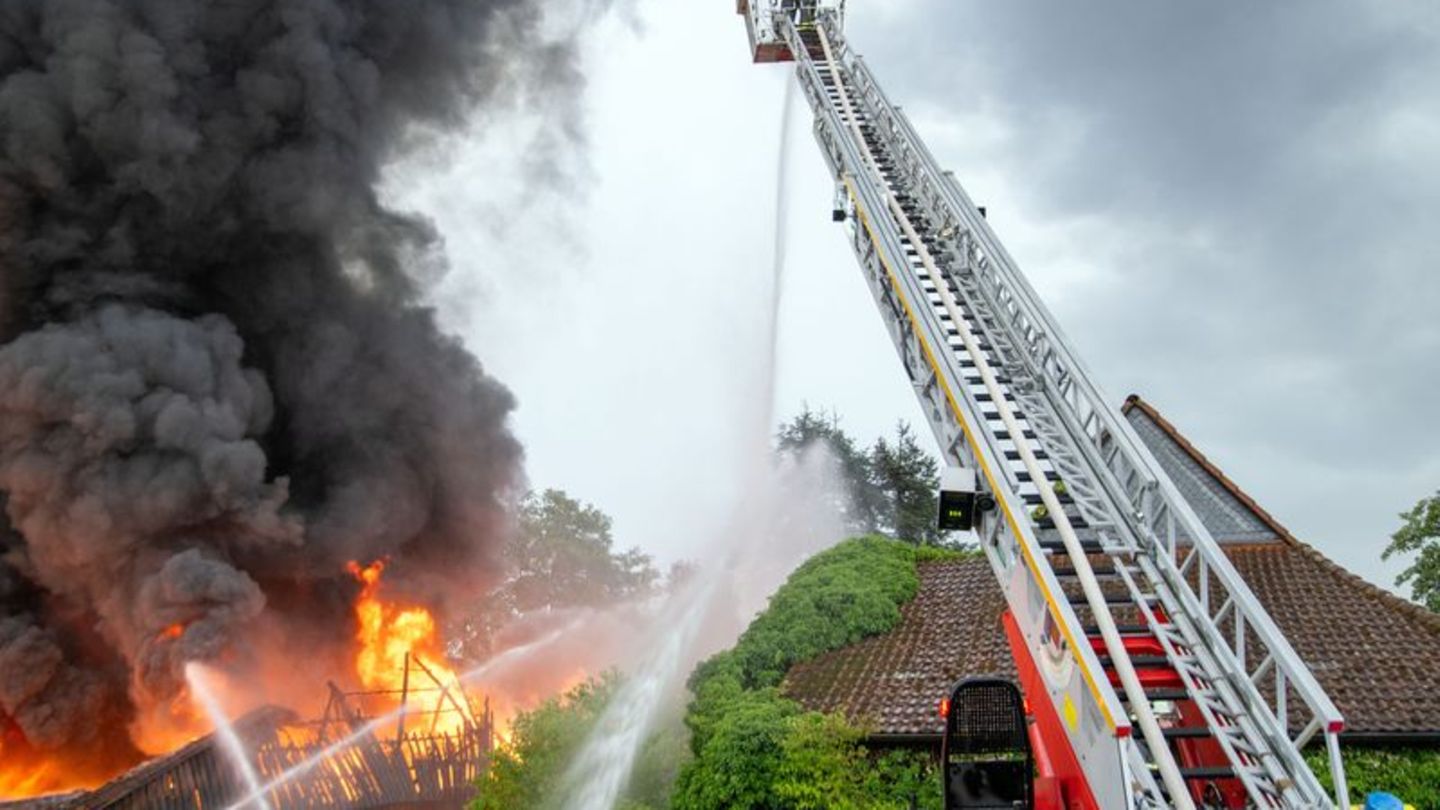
(1231, 208)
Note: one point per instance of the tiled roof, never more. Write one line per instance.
(1230, 516)
(1377, 656)
(894, 682)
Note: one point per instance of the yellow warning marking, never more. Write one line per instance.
(970, 439)
(1072, 717)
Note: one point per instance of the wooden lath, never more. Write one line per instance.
(414, 765)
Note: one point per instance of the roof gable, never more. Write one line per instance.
(1229, 514)
(1376, 655)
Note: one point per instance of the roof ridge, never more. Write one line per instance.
(1335, 569)
(1173, 433)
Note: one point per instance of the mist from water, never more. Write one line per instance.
(509, 658)
(224, 730)
(764, 540)
(598, 775)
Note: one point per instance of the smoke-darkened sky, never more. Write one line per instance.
(220, 379)
(1229, 207)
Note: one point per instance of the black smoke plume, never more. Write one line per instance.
(218, 381)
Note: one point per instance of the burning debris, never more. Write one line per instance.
(218, 382)
(394, 641)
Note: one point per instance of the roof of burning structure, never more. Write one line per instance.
(1378, 656)
(195, 763)
(254, 727)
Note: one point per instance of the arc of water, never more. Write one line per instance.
(597, 775)
(200, 689)
(258, 792)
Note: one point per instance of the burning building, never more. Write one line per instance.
(220, 386)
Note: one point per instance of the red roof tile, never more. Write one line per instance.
(1378, 656)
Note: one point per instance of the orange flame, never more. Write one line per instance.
(400, 654)
(25, 773)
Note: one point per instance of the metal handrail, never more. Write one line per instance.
(1157, 514)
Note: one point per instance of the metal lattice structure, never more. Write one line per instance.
(1172, 682)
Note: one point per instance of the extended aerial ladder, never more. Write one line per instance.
(1152, 675)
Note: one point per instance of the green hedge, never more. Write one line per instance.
(525, 772)
(754, 748)
(528, 772)
(1413, 774)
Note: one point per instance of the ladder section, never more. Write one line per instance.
(1087, 509)
(962, 334)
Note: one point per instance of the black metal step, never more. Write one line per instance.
(1160, 694)
(1057, 545)
(1077, 598)
(1066, 571)
(1076, 522)
(1139, 661)
(1186, 732)
(1034, 499)
(1208, 772)
(1092, 630)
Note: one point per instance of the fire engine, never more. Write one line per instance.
(1149, 674)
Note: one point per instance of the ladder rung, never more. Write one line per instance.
(1034, 499)
(1122, 629)
(1014, 455)
(1003, 380)
(1144, 661)
(1076, 522)
(1208, 772)
(1058, 546)
(1160, 694)
(1186, 732)
(1066, 572)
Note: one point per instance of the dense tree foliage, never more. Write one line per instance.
(1413, 774)
(528, 772)
(1420, 535)
(861, 503)
(908, 479)
(888, 489)
(562, 555)
(753, 747)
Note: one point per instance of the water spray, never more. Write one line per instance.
(504, 659)
(225, 730)
(600, 770)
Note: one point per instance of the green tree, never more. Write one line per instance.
(908, 478)
(863, 502)
(526, 772)
(740, 757)
(753, 747)
(658, 765)
(823, 765)
(1420, 535)
(529, 771)
(562, 555)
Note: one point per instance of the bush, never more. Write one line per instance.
(527, 772)
(542, 743)
(754, 748)
(1413, 774)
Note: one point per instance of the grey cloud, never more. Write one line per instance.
(1264, 179)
